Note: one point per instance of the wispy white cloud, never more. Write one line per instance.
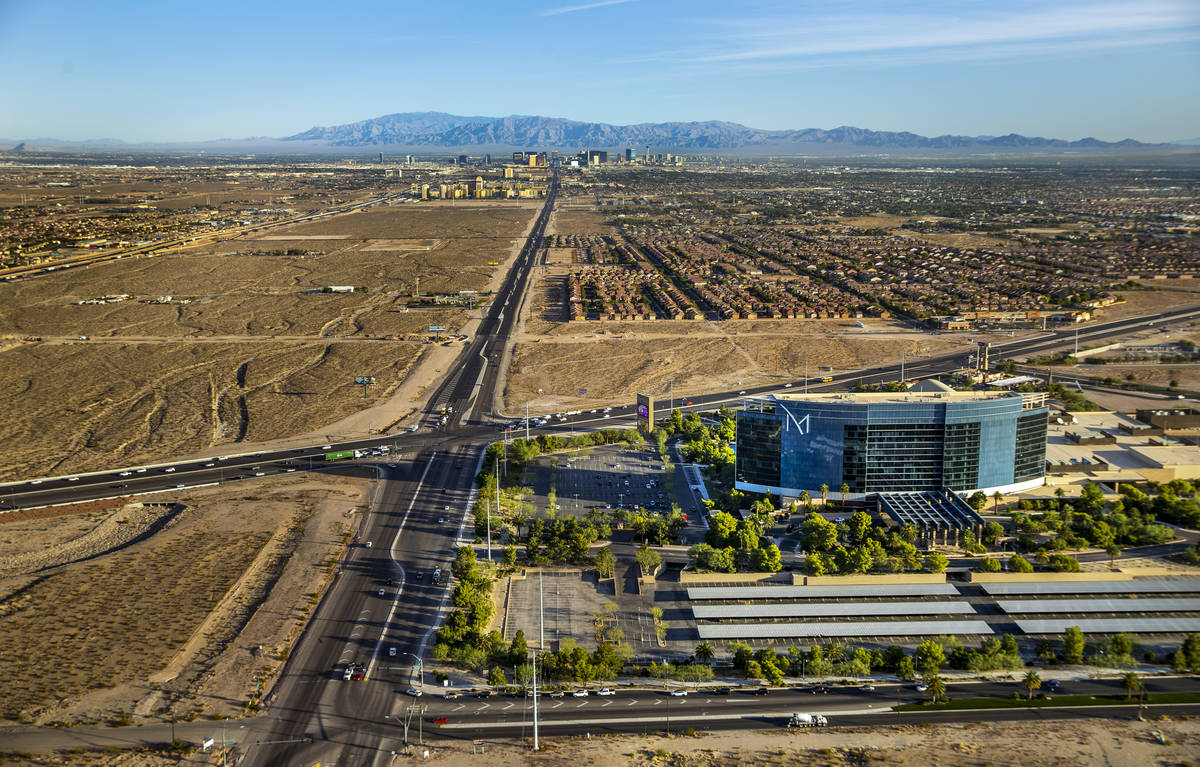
(584, 7)
(935, 32)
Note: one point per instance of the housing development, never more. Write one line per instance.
(498, 452)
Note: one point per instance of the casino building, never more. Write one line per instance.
(929, 438)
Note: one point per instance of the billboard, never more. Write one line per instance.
(645, 411)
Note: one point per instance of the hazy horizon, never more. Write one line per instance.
(142, 72)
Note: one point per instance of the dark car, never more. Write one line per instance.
(759, 691)
(484, 694)
(819, 690)
(723, 690)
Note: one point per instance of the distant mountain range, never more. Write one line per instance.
(438, 131)
(444, 131)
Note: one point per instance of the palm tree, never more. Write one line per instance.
(1112, 550)
(1132, 683)
(844, 489)
(704, 652)
(996, 498)
(805, 499)
(824, 493)
(937, 689)
(1031, 681)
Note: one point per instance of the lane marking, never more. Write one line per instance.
(403, 579)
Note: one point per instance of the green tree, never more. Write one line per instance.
(1132, 684)
(906, 669)
(605, 562)
(937, 689)
(648, 558)
(1031, 682)
(704, 652)
(818, 533)
(845, 488)
(768, 559)
(824, 493)
(805, 500)
(935, 562)
(1073, 644)
(988, 565)
(860, 527)
(496, 677)
(992, 531)
(1019, 564)
(997, 497)
(518, 650)
(720, 527)
(977, 500)
(464, 564)
(510, 555)
(930, 656)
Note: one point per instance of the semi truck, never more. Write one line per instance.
(807, 720)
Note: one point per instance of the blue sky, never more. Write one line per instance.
(169, 70)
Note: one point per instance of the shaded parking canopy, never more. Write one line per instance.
(1144, 586)
(696, 593)
(849, 629)
(1112, 625)
(718, 612)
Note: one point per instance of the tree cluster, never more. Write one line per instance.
(559, 541)
(738, 544)
(861, 546)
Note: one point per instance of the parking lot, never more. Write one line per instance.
(601, 477)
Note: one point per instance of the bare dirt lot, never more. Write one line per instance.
(613, 361)
(1115, 743)
(247, 349)
(148, 611)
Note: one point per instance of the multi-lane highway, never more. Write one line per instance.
(384, 600)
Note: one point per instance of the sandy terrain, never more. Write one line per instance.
(613, 361)
(1113, 743)
(249, 350)
(193, 587)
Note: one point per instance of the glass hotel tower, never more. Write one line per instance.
(892, 442)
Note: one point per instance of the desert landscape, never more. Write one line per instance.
(203, 592)
(237, 342)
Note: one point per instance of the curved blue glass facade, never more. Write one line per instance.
(891, 442)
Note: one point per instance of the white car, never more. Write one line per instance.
(605, 691)
(392, 652)
(787, 386)
(126, 473)
(141, 471)
(349, 672)
(209, 465)
(381, 592)
(678, 693)
(169, 469)
(413, 691)
(72, 479)
(38, 481)
(922, 688)
(579, 694)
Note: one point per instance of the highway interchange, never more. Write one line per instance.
(383, 600)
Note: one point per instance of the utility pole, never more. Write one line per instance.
(535, 699)
(806, 375)
(901, 367)
(1076, 342)
(526, 421)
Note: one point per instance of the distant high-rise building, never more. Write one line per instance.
(381, 157)
(462, 159)
(628, 155)
(408, 158)
(518, 157)
(487, 159)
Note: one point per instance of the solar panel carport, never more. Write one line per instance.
(1112, 625)
(849, 609)
(856, 629)
(1050, 606)
(1147, 586)
(735, 593)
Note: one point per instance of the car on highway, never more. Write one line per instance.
(723, 690)
(579, 694)
(441, 520)
(260, 474)
(179, 485)
(439, 720)
(420, 575)
(605, 691)
(743, 391)
(483, 694)
(679, 693)
(391, 652)
(759, 691)
(140, 471)
(557, 694)
(867, 688)
(209, 465)
(123, 474)
(349, 672)
(360, 673)
(72, 479)
(413, 691)
(787, 386)
(168, 470)
(921, 688)
(689, 402)
(368, 544)
(450, 696)
(38, 481)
